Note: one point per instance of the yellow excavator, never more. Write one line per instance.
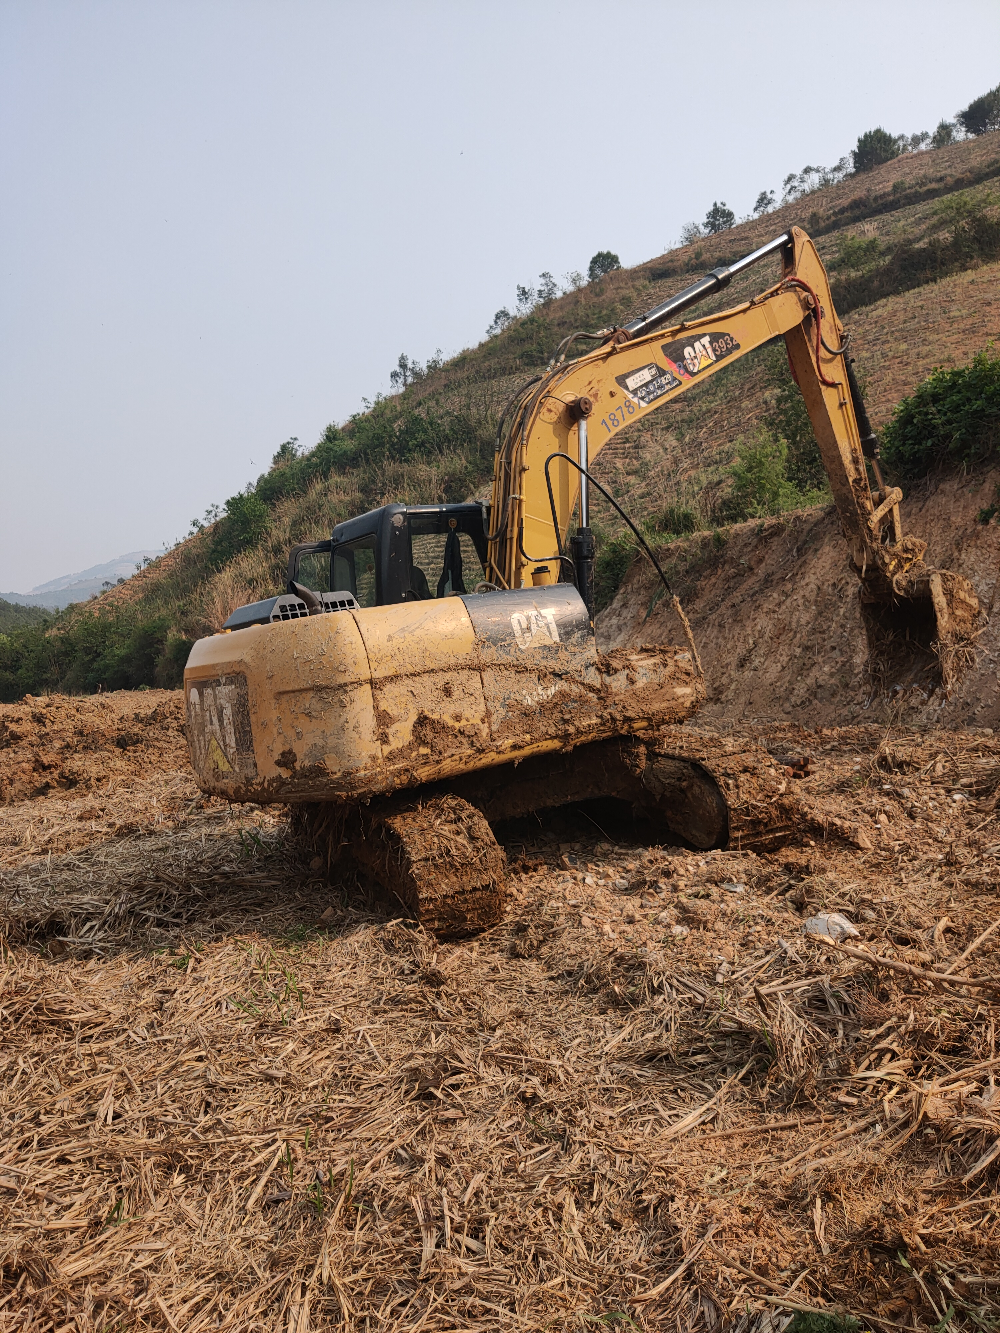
(431, 670)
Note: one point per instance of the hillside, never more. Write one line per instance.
(776, 615)
(14, 616)
(912, 247)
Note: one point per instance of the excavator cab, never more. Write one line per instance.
(399, 553)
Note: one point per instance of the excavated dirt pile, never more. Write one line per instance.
(78, 770)
(669, 1088)
(60, 744)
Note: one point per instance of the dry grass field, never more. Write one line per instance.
(235, 1095)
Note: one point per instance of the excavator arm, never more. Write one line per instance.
(919, 620)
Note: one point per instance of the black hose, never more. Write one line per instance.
(611, 500)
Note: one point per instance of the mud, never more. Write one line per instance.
(437, 856)
(63, 744)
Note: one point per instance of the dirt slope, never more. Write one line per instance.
(776, 616)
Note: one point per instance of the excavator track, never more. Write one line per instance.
(438, 854)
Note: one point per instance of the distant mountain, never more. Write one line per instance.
(68, 588)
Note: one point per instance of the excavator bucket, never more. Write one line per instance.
(923, 635)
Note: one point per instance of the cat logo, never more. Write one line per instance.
(534, 627)
(219, 727)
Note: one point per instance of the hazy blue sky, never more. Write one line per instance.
(222, 222)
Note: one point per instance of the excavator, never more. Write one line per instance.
(432, 670)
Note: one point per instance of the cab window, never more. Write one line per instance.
(444, 562)
(314, 570)
(354, 569)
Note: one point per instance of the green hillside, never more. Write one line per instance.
(14, 616)
(737, 445)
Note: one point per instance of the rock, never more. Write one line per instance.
(698, 911)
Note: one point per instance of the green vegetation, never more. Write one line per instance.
(802, 1322)
(120, 652)
(603, 262)
(873, 148)
(856, 252)
(982, 115)
(952, 420)
(761, 486)
(720, 217)
(963, 232)
(15, 616)
(675, 521)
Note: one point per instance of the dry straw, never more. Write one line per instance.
(644, 1100)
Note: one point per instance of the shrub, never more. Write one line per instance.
(292, 473)
(873, 148)
(951, 419)
(856, 251)
(676, 521)
(603, 262)
(246, 520)
(760, 485)
(982, 115)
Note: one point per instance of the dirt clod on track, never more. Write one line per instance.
(233, 1094)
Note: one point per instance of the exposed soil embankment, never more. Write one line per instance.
(775, 612)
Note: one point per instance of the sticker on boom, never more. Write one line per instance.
(534, 627)
(688, 357)
(218, 714)
(647, 383)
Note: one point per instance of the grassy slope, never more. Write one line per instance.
(681, 454)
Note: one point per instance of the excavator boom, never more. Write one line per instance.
(578, 407)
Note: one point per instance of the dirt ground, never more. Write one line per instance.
(236, 1095)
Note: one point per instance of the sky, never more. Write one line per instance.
(221, 221)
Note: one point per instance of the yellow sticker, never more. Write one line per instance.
(217, 757)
